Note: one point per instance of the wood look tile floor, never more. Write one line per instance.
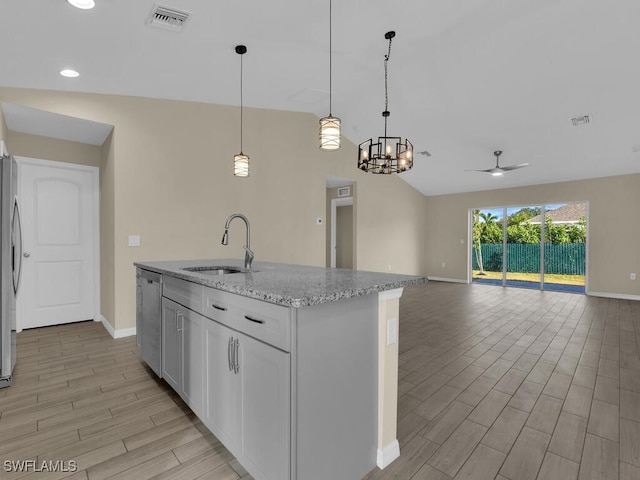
(495, 383)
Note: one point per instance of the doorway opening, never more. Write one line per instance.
(341, 224)
(522, 247)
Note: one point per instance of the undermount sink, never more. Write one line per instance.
(215, 270)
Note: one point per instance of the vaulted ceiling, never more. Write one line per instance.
(466, 77)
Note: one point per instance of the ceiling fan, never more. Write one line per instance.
(498, 171)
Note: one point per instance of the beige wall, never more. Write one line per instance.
(614, 227)
(166, 174)
(4, 134)
(47, 148)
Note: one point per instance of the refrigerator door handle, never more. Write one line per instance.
(17, 230)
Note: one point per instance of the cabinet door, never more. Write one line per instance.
(171, 351)
(139, 314)
(192, 359)
(222, 393)
(265, 378)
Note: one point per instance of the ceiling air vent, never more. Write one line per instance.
(581, 120)
(167, 18)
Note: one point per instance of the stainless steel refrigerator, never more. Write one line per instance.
(10, 266)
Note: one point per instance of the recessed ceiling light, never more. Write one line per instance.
(83, 4)
(67, 72)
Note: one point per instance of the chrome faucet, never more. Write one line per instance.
(248, 256)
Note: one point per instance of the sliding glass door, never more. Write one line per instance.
(524, 247)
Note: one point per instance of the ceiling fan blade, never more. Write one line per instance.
(514, 167)
(481, 171)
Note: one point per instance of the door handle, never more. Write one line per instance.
(236, 347)
(26, 254)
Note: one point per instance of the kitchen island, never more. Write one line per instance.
(293, 368)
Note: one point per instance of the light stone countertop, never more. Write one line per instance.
(289, 285)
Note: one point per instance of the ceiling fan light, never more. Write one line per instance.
(83, 4)
(497, 174)
(69, 73)
(329, 133)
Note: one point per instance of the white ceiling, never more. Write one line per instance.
(466, 77)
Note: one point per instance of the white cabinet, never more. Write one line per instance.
(222, 392)
(264, 374)
(248, 393)
(182, 357)
(291, 392)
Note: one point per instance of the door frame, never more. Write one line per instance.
(95, 186)
(335, 203)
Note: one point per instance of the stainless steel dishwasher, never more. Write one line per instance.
(149, 318)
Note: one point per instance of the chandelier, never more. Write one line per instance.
(389, 154)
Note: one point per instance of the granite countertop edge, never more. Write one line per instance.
(284, 284)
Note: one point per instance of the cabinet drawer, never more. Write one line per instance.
(185, 293)
(264, 321)
(218, 305)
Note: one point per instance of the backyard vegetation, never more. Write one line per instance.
(564, 247)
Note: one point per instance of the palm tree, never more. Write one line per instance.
(477, 233)
(479, 227)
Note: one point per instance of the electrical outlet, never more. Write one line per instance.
(632, 276)
(392, 331)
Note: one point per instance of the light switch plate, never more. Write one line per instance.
(134, 240)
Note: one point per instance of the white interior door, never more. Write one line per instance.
(59, 216)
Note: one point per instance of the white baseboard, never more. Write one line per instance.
(125, 332)
(444, 279)
(388, 454)
(621, 296)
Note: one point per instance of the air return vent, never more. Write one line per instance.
(167, 17)
(581, 120)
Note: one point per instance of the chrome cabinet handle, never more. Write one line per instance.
(229, 356)
(236, 366)
(218, 307)
(181, 322)
(254, 320)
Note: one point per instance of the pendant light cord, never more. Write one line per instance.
(241, 104)
(330, 59)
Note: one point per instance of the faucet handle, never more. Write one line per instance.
(248, 258)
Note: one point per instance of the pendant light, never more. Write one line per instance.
(241, 161)
(330, 125)
(390, 154)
